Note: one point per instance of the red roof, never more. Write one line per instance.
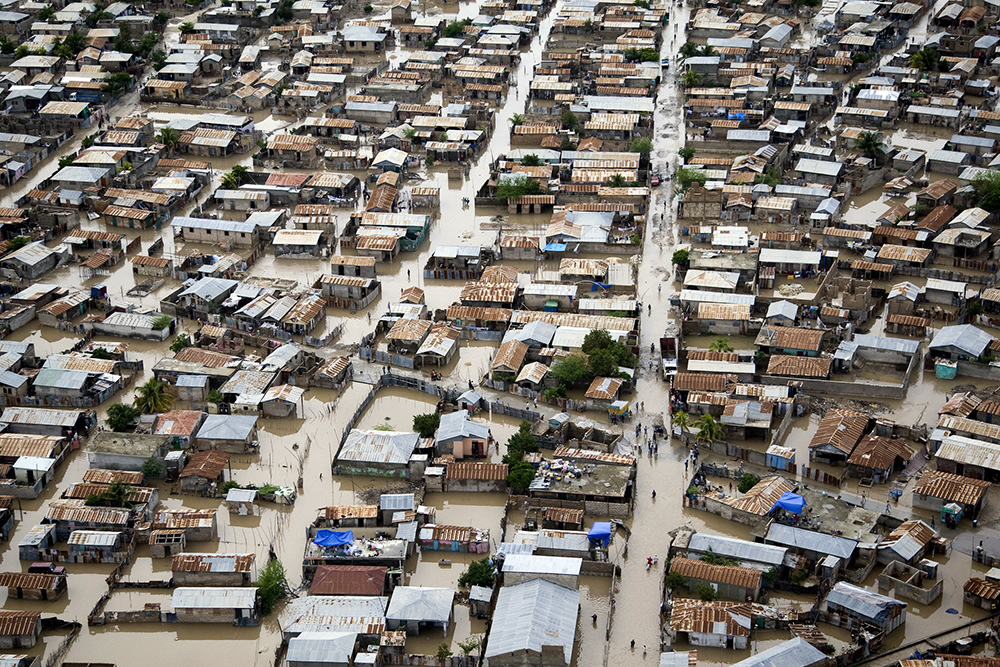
(348, 580)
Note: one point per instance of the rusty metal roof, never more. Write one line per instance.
(101, 476)
(793, 338)
(84, 490)
(336, 512)
(485, 314)
(744, 577)
(564, 452)
(781, 364)
(762, 498)
(209, 464)
(879, 452)
(728, 618)
(28, 580)
(146, 260)
(212, 563)
(14, 445)
(702, 381)
(177, 422)
(348, 580)
(604, 388)
(510, 356)
(409, 330)
(477, 470)
(953, 488)
(16, 623)
(490, 292)
(981, 588)
(563, 515)
(76, 511)
(841, 429)
(204, 357)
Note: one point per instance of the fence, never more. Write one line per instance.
(327, 339)
(430, 660)
(397, 360)
(823, 477)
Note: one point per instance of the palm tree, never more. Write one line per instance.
(721, 345)
(925, 59)
(121, 416)
(517, 119)
(691, 78)
(153, 397)
(240, 172)
(870, 143)
(616, 181)
(688, 50)
(229, 182)
(169, 137)
(682, 420)
(118, 493)
(707, 50)
(709, 429)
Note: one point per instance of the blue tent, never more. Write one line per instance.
(792, 502)
(555, 247)
(333, 538)
(600, 531)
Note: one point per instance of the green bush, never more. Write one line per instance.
(479, 573)
(747, 482)
(162, 322)
(798, 576)
(152, 468)
(674, 580)
(680, 257)
(706, 593)
(271, 586)
(427, 424)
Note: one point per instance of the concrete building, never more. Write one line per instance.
(519, 568)
(190, 569)
(236, 606)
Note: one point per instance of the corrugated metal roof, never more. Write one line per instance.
(780, 364)
(209, 465)
(762, 498)
(724, 574)
(348, 580)
(219, 563)
(862, 603)
(214, 598)
(28, 580)
(101, 476)
(808, 540)
(378, 447)
(17, 623)
(531, 615)
(725, 618)
(841, 429)
(951, 488)
(981, 588)
(740, 549)
(477, 470)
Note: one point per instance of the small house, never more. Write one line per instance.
(856, 605)
(460, 437)
(234, 434)
(33, 586)
(711, 624)
(236, 606)
(349, 580)
(415, 607)
(730, 582)
(982, 593)
(520, 568)
(19, 629)
(377, 453)
(212, 569)
(535, 623)
(936, 489)
(205, 473)
(877, 457)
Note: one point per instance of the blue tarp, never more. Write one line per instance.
(792, 502)
(600, 531)
(555, 247)
(333, 538)
(597, 286)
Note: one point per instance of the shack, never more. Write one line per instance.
(237, 606)
(205, 473)
(189, 569)
(415, 607)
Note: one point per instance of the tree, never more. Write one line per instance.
(153, 397)
(691, 78)
(706, 593)
(686, 153)
(456, 28)
(100, 353)
(121, 416)
(520, 476)
(569, 120)
(88, 141)
(680, 257)
(182, 341)
(471, 644)
(17, 243)
(721, 344)
(682, 420)
(479, 573)
(517, 187)
(641, 145)
(118, 493)
(771, 177)
(747, 482)
(685, 176)
(240, 172)
(152, 468)
(187, 27)
(603, 364)
(531, 160)
(125, 166)
(616, 181)
(443, 652)
(870, 144)
(709, 429)
(688, 50)
(517, 119)
(925, 59)
(572, 370)
(169, 137)
(46, 13)
(384, 427)
(427, 424)
(215, 396)
(162, 322)
(21, 51)
(641, 3)
(271, 585)
(161, 19)
(519, 444)
(7, 45)
(66, 160)
(674, 580)
(707, 50)
(987, 187)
